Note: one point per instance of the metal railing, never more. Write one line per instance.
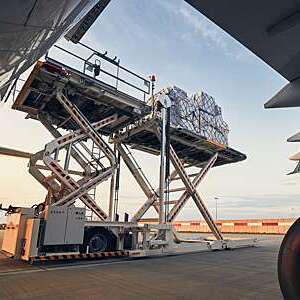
(94, 63)
(13, 89)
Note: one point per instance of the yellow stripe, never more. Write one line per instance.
(82, 255)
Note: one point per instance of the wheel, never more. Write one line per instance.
(289, 263)
(98, 243)
(98, 240)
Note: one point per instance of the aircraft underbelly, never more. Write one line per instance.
(29, 28)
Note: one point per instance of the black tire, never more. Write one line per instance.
(289, 263)
(98, 240)
(98, 243)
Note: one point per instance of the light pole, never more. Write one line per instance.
(216, 198)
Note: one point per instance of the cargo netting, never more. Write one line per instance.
(198, 113)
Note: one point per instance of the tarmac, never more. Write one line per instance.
(248, 273)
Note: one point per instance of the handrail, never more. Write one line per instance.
(100, 69)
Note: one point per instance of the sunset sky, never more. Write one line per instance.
(181, 47)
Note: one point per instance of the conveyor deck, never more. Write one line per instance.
(98, 100)
(95, 99)
(192, 148)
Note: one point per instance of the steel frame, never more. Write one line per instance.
(189, 191)
(64, 190)
(122, 114)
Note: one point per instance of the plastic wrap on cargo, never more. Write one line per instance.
(198, 113)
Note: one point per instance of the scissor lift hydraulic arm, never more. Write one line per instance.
(190, 187)
(77, 189)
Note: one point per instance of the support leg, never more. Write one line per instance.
(185, 196)
(194, 194)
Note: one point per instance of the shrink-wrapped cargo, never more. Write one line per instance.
(198, 113)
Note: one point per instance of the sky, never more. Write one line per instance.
(181, 47)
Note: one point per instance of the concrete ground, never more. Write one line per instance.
(248, 273)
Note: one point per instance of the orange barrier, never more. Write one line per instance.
(258, 226)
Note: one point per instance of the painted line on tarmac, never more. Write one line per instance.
(65, 267)
(81, 266)
(3, 274)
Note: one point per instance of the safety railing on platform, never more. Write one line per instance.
(103, 68)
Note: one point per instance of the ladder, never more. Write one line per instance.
(70, 189)
(140, 178)
(95, 164)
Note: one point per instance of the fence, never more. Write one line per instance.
(254, 226)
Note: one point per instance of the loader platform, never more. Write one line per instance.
(192, 148)
(96, 99)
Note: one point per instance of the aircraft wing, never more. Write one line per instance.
(269, 28)
(14, 153)
(294, 138)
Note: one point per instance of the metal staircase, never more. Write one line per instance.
(64, 188)
(95, 163)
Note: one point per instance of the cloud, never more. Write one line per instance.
(290, 183)
(201, 26)
(205, 30)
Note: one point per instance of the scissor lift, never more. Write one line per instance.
(191, 151)
(62, 98)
